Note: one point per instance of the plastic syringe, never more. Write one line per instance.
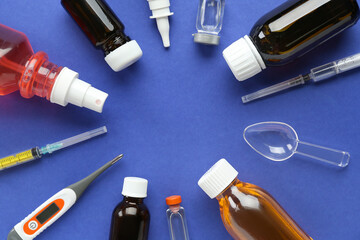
(317, 74)
(36, 152)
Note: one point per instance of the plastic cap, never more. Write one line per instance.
(243, 59)
(173, 200)
(208, 39)
(124, 56)
(68, 88)
(218, 178)
(135, 187)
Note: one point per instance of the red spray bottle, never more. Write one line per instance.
(32, 74)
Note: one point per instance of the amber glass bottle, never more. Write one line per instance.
(287, 32)
(105, 31)
(131, 218)
(248, 211)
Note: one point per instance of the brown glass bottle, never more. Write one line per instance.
(290, 31)
(104, 29)
(131, 218)
(248, 211)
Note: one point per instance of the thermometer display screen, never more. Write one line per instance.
(47, 213)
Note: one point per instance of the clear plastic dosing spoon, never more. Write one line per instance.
(278, 141)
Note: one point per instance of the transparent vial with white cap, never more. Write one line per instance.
(209, 22)
(288, 32)
(248, 211)
(131, 218)
(105, 31)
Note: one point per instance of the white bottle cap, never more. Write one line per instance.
(68, 88)
(244, 59)
(135, 187)
(218, 178)
(161, 12)
(124, 56)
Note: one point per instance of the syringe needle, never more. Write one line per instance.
(276, 88)
(316, 75)
(50, 148)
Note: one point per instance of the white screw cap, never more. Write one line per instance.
(244, 59)
(68, 88)
(218, 178)
(124, 56)
(135, 187)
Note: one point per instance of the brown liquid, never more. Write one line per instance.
(249, 212)
(130, 220)
(100, 24)
(288, 39)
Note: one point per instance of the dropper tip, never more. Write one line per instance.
(117, 159)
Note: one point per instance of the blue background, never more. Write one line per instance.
(174, 114)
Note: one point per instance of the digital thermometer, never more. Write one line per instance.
(54, 207)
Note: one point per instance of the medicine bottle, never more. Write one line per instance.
(105, 31)
(131, 218)
(176, 219)
(32, 74)
(287, 32)
(248, 212)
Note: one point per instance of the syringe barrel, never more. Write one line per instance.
(20, 158)
(332, 69)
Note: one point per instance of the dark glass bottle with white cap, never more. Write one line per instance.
(131, 218)
(105, 31)
(288, 32)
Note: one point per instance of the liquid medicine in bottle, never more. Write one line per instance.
(105, 31)
(248, 211)
(176, 219)
(131, 218)
(32, 74)
(288, 32)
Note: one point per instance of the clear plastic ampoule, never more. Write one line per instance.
(209, 21)
(176, 219)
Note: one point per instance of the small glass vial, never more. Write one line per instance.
(248, 211)
(176, 219)
(209, 21)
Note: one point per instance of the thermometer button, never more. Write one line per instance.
(33, 225)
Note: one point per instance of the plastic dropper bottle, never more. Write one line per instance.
(105, 31)
(131, 218)
(248, 211)
(288, 32)
(176, 219)
(32, 74)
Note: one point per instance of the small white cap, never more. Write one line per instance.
(218, 178)
(124, 56)
(135, 187)
(68, 88)
(244, 59)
